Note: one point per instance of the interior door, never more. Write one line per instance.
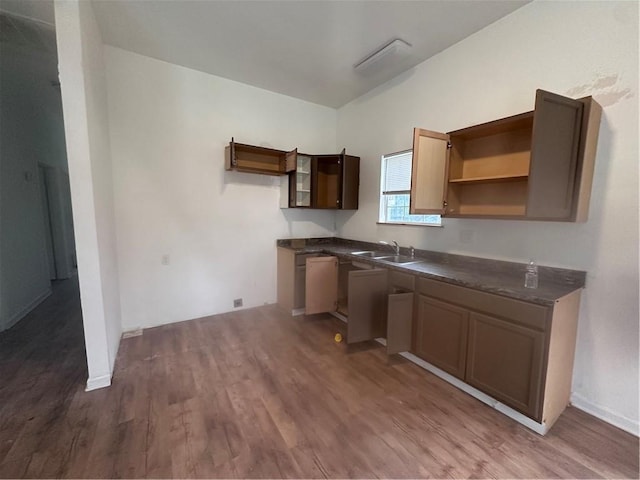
(367, 304)
(399, 322)
(321, 278)
(555, 143)
(429, 172)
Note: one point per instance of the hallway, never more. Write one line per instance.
(43, 367)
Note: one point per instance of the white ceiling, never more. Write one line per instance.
(305, 49)
(40, 10)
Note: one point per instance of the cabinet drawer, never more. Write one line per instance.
(401, 280)
(528, 314)
(301, 258)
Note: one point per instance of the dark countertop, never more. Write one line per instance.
(493, 276)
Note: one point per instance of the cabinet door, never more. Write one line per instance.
(291, 160)
(286, 278)
(441, 335)
(429, 172)
(293, 192)
(555, 143)
(367, 304)
(505, 361)
(321, 293)
(230, 156)
(350, 182)
(399, 322)
(299, 290)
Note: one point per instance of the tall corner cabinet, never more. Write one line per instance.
(534, 166)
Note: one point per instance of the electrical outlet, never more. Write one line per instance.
(237, 303)
(165, 259)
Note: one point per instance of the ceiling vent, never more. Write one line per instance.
(384, 57)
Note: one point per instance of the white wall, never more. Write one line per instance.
(571, 48)
(84, 96)
(169, 127)
(31, 132)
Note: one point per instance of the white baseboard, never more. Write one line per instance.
(24, 311)
(577, 400)
(98, 382)
(604, 414)
(136, 332)
(539, 428)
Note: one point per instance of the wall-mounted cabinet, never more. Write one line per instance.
(322, 182)
(533, 166)
(300, 183)
(311, 181)
(335, 181)
(253, 159)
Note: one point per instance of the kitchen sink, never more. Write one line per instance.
(367, 253)
(398, 259)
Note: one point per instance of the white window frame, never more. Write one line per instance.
(420, 220)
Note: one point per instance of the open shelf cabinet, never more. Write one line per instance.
(536, 166)
(254, 159)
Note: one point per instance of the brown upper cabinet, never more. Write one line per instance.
(534, 166)
(252, 159)
(324, 182)
(335, 181)
(313, 181)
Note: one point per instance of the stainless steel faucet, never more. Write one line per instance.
(394, 245)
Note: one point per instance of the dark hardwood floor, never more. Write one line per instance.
(257, 393)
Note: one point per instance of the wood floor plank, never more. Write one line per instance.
(260, 394)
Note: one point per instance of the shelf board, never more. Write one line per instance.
(302, 190)
(306, 172)
(490, 179)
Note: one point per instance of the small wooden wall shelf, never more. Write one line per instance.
(262, 160)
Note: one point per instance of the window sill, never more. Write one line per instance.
(412, 224)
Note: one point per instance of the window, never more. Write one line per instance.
(395, 186)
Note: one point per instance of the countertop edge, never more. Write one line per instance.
(333, 249)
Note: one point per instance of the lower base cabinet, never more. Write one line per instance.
(376, 304)
(366, 305)
(505, 360)
(441, 335)
(291, 277)
(517, 352)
